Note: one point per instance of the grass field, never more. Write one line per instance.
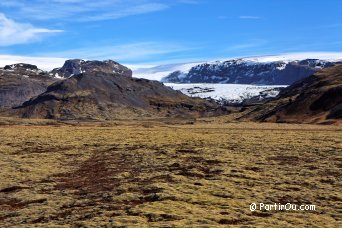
(158, 174)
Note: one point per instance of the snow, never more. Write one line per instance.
(281, 67)
(57, 76)
(158, 72)
(234, 93)
(288, 57)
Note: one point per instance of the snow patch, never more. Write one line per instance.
(57, 76)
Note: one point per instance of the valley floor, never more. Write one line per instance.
(159, 174)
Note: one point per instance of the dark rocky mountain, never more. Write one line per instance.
(316, 99)
(100, 95)
(78, 66)
(244, 71)
(20, 82)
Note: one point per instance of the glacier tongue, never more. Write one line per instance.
(226, 93)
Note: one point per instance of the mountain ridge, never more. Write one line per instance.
(246, 71)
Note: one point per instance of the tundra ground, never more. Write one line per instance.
(159, 174)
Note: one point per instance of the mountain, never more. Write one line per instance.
(316, 99)
(249, 71)
(77, 66)
(101, 95)
(20, 82)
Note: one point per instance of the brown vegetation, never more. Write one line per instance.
(164, 174)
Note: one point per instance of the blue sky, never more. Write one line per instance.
(161, 31)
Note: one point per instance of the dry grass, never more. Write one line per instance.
(161, 175)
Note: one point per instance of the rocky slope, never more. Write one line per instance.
(77, 66)
(316, 99)
(20, 82)
(249, 71)
(100, 95)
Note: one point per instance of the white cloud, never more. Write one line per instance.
(44, 63)
(12, 32)
(134, 10)
(84, 10)
(129, 52)
(250, 17)
(132, 53)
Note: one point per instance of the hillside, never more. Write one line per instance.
(100, 95)
(316, 99)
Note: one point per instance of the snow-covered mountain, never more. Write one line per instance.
(234, 80)
(250, 71)
(256, 70)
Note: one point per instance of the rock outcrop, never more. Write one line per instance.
(77, 66)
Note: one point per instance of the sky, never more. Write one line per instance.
(167, 31)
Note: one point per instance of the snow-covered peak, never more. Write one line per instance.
(287, 57)
(269, 70)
